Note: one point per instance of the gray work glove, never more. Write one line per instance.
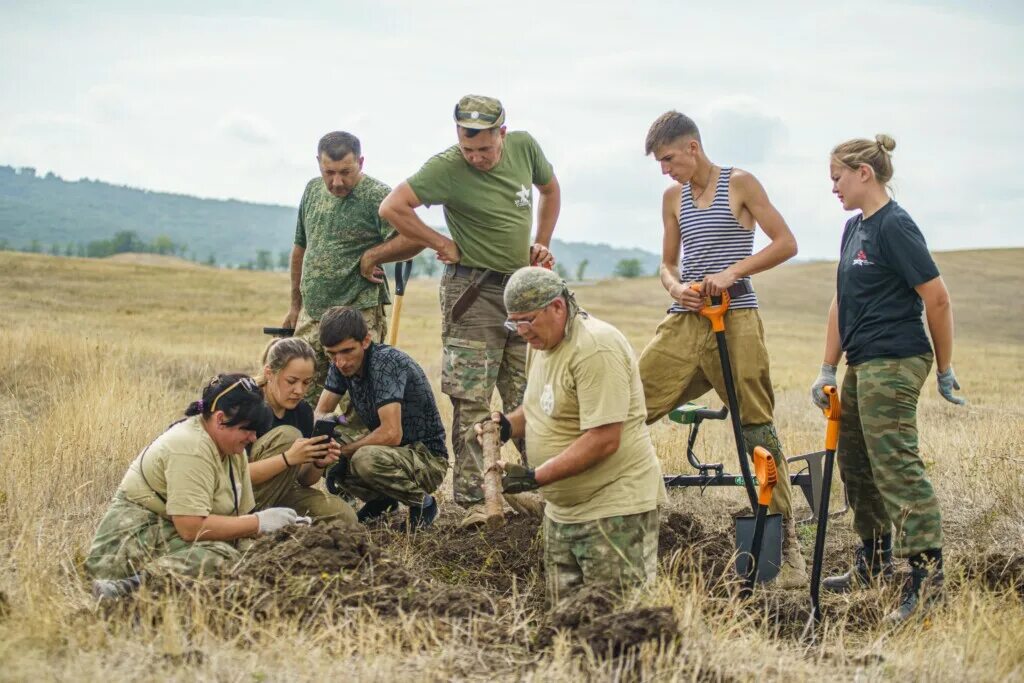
(273, 519)
(827, 377)
(947, 384)
(518, 479)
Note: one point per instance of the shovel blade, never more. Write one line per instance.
(770, 561)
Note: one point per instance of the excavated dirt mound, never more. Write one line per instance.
(997, 571)
(691, 549)
(303, 571)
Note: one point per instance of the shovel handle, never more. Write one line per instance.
(832, 413)
(714, 312)
(767, 475)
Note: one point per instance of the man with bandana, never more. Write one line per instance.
(589, 449)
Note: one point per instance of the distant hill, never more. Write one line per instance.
(56, 213)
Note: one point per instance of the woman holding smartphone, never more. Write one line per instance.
(186, 500)
(287, 460)
(886, 276)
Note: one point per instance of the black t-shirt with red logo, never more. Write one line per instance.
(882, 260)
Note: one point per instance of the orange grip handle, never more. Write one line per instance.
(832, 413)
(767, 474)
(716, 314)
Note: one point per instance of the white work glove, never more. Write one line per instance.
(827, 377)
(273, 519)
(948, 384)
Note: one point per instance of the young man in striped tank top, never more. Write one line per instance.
(710, 213)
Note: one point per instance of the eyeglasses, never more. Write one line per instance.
(247, 383)
(516, 325)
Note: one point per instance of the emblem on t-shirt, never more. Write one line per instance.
(523, 196)
(547, 400)
(862, 259)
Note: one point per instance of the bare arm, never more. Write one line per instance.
(590, 449)
(782, 247)
(548, 208)
(668, 271)
(399, 209)
(389, 433)
(939, 312)
(215, 527)
(301, 453)
(833, 346)
(296, 276)
(326, 404)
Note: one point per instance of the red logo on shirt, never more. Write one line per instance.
(862, 259)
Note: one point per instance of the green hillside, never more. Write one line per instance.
(53, 214)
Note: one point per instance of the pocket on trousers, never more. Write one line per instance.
(469, 369)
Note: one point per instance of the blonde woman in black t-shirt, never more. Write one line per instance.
(885, 277)
(287, 460)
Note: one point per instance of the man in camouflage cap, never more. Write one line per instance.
(485, 183)
(590, 453)
(338, 223)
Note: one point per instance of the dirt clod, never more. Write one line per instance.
(617, 633)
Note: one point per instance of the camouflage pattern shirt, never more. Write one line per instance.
(335, 231)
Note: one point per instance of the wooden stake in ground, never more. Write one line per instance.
(493, 503)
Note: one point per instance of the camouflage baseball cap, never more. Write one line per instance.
(479, 112)
(532, 288)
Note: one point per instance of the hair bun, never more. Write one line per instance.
(885, 142)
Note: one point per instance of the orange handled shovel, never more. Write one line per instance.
(832, 413)
(754, 570)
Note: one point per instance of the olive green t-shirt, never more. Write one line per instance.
(591, 379)
(184, 466)
(335, 231)
(489, 213)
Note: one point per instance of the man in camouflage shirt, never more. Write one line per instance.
(339, 221)
(485, 183)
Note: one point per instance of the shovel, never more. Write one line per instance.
(402, 272)
(751, 531)
(832, 413)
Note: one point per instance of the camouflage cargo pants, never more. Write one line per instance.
(478, 355)
(621, 552)
(131, 539)
(284, 490)
(878, 454)
(309, 329)
(682, 364)
(405, 473)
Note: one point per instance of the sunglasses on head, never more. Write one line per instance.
(247, 383)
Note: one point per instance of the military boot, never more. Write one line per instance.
(864, 572)
(923, 586)
(115, 589)
(793, 573)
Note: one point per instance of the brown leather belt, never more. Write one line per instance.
(491, 278)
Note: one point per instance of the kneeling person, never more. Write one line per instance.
(583, 417)
(286, 461)
(403, 457)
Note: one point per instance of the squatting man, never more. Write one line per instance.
(588, 447)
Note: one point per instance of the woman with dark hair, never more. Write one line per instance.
(286, 461)
(886, 277)
(186, 499)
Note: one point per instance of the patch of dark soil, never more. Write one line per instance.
(5, 606)
(303, 571)
(691, 549)
(997, 571)
(617, 633)
(492, 561)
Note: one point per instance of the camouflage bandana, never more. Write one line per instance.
(533, 288)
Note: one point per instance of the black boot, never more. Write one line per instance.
(421, 516)
(375, 508)
(873, 562)
(922, 588)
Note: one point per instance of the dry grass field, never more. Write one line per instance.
(96, 358)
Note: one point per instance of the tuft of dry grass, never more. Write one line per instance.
(97, 357)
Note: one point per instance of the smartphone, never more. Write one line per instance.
(324, 428)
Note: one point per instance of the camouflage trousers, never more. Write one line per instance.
(621, 552)
(309, 329)
(878, 454)
(405, 473)
(132, 539)
(284, 490)
(682, 364)
(478, 356)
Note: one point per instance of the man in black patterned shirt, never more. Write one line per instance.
(403, 457)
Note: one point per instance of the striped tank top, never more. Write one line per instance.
(712, 240)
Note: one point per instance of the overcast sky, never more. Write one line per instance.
(230, 102)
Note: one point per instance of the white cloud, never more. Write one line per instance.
(247, 128)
